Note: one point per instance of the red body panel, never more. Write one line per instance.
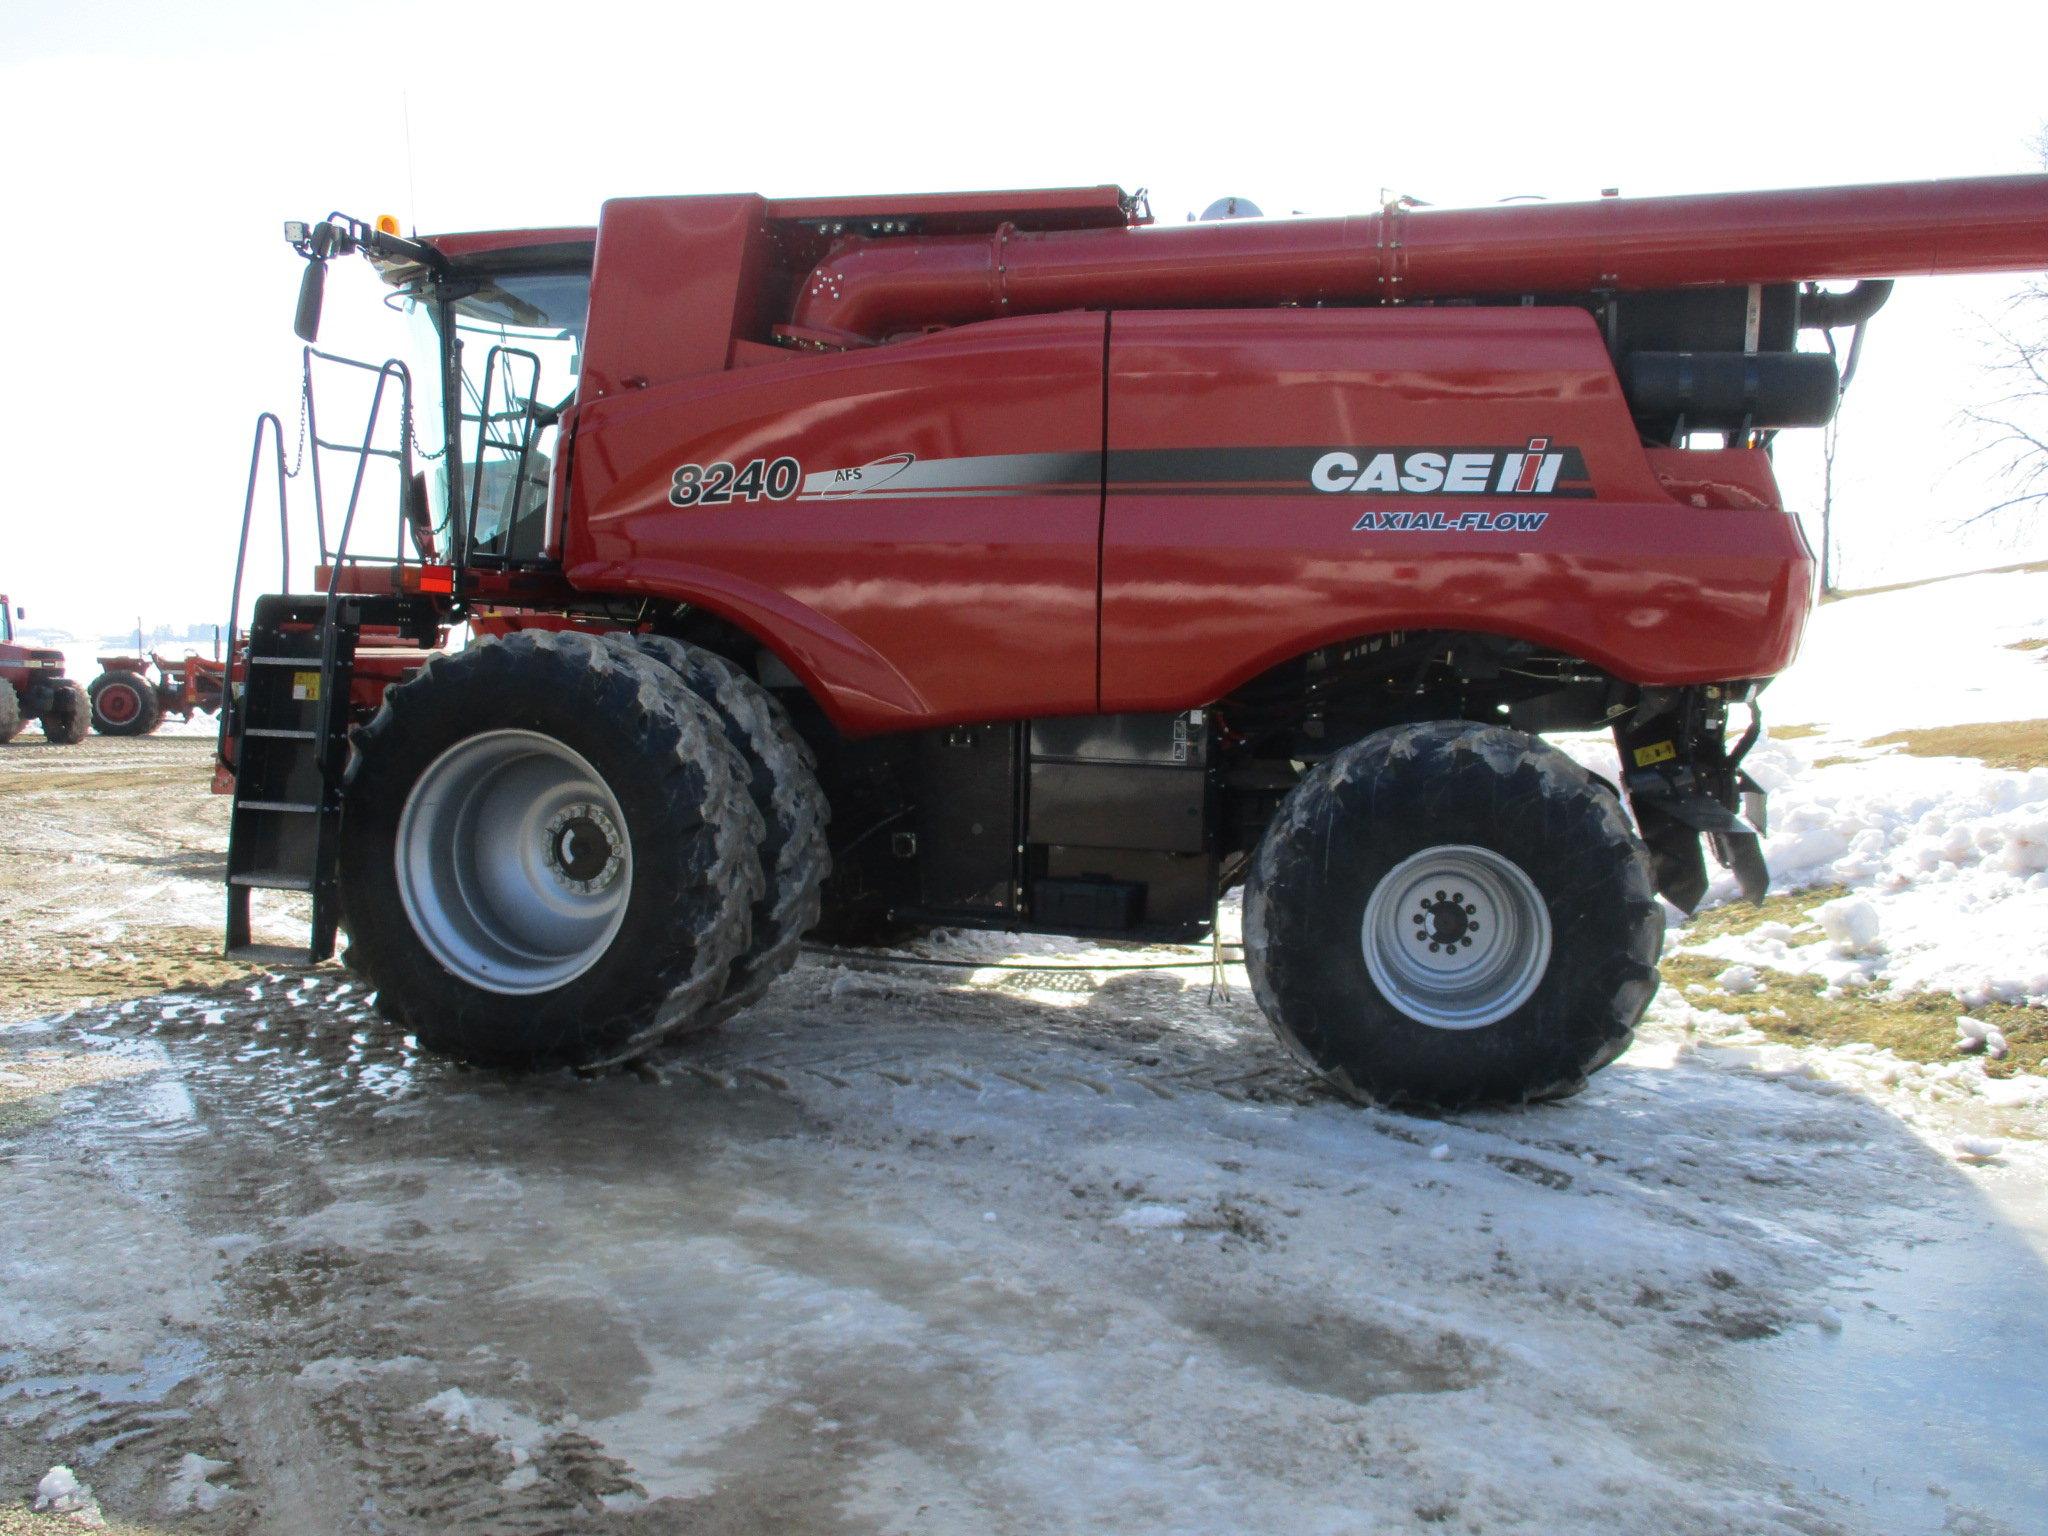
(897, 607)
(1203, 590)
(974, 595)
(676, 279)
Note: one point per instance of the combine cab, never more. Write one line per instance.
(1004, 560)
(33, 687)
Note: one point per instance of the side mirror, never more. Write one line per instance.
(20, 612)
(312, 289)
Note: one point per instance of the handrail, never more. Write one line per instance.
(484, 417)
(333, 557)
(284, 537)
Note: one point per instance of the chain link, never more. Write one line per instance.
(299, 460)
(412, 432)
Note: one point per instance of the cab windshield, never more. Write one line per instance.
(518, 347)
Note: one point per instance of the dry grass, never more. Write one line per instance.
(1793, 732)
(1917, 1026)
(20, 1520)
(2035, 643)
(1928, 581)
(1793, 907)
(2002, 744)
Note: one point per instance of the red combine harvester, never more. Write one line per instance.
(33, 687)
(126, 701)
(1084, 570)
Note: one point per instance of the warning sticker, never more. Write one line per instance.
(306, 687)
(1656, 752)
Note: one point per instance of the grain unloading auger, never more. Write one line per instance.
(1086, 570)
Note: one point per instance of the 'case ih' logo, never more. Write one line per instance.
(1535, 469)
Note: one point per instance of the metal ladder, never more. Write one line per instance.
(291, 744)
(285, 736)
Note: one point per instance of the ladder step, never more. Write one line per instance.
(272, 880)
(271, 954)
(276, 805)
(284, 661)
(274, 734)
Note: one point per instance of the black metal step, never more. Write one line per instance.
(295, 806)
(272, 733)
(272, 880)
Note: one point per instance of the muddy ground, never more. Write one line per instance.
(1028, 1250)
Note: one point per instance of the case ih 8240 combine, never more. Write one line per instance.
(1074, 571)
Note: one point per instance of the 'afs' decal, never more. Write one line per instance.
(1535, 469)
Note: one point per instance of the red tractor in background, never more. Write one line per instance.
(126, 701)
(33, 687)
(1003, 560)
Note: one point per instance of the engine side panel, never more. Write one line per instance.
(1222, 557)
(934, 562)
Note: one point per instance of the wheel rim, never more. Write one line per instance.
(514, 865)
(119, 703)
(1456, 936)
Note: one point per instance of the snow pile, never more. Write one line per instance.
(1947, 864)
(191, 1485)
(61, 1493)
(515, 1434)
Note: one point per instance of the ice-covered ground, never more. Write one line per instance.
(1030, 1248)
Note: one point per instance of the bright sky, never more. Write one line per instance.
(154, 150)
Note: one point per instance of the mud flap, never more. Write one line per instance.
(1672, 818)
(1743, 855)
(1675, 856)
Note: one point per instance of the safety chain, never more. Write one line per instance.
(419, 449)
(299, 459)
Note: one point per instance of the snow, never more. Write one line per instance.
(61, 1493)
(190, 1485)
(1889, 661)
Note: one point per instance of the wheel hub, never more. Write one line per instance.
(118, 702)
(583, 848)
(1456, 936)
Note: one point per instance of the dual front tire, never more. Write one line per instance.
(553, 852)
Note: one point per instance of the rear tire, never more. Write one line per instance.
(547, 853)
(794, 857)
(1452, 914)
(69, 715)
(125, 704)
(10, 712)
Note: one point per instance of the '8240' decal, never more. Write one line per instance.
(715, 485)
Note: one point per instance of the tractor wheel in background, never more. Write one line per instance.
(1451, 914)
(794, 857)
(125, 704)
(548, 853)
(68, 717)
(10, 712)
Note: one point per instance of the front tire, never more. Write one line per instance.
(68, 716)
(124, 704)
(1452, 914)
(784, 788)
(547, 853)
